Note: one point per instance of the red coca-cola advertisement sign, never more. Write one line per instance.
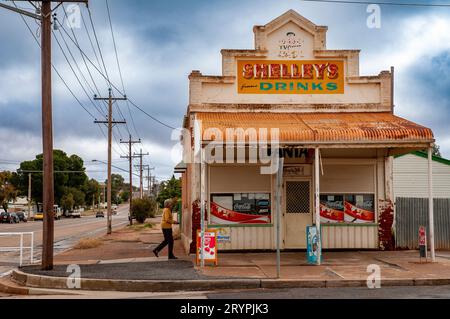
(330, 215)
(348, 208)
(358, 215)
(222, 215)
(331, 209)
(240, 208)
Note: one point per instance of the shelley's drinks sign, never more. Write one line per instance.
(290, 77)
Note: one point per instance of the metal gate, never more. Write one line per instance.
(410, 213)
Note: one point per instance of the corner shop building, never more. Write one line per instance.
(337, 134)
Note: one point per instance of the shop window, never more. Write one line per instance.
(240, 208)
(347, 208)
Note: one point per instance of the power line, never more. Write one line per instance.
(104, 135)
(73, 57)
(84, 60)
(55, 69)
(89, 37)
(98, 46)
(104, 65)
(383, 3)
(73, 71)
(118, 66)
(115, 87)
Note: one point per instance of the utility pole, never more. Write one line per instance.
(130, 157)
(29, 195)
(155, 191)
(44, 15)
(148, 177)
(141, 184)
(110, 123)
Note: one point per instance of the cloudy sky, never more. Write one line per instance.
(160, 42)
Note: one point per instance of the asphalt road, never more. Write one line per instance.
(406, 292)
(68, 232)
(424, 292)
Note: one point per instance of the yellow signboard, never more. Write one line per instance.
(290, 77)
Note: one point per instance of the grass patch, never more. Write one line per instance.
(140, 227)
(87, 243)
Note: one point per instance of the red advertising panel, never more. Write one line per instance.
(240, 208)
(348, 208)
(358, 212)
(331, 209)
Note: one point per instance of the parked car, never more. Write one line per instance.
(15, 218)
(74, 214)
(22, 216)
(100, 214)
(39, 216)
(6, 218)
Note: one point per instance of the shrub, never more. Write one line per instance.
(143, 208)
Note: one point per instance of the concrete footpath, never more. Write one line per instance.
(124, 261)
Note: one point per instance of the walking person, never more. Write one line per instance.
(166, 226)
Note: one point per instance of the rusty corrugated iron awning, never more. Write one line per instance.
(322, 127)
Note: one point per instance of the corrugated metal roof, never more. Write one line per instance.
(322, 127)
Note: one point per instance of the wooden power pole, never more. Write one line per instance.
(148, 177)
(141, 177)
(45, 16)
(130, 157)
(29, 195)
(110, 122)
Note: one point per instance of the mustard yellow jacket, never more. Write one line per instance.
(167, 219)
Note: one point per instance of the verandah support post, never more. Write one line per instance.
(430, 203)
(202, 204)
(278, 185)
(317, 202)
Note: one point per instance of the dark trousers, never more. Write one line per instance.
(168, 240)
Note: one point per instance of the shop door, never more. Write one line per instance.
(297, 212)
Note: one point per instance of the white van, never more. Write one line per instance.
(57, 212)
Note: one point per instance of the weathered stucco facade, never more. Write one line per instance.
(349, 123)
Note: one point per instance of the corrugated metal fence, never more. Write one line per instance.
(410, 213)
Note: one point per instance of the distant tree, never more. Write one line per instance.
(67, 202)
(169, 189)
(61, 162)
(77, 195)
(436, 150)
(117, 184)
(125, 196)
(92, 190)
(7, 190)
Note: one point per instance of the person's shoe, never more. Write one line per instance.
(172, 257)
(155, 252)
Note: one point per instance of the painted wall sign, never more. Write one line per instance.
(210, 247)
(293, 171)
(290, 77)
(291, 46)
